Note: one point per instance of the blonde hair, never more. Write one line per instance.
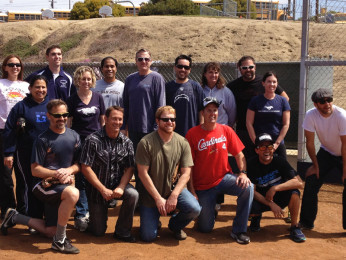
(160, 110)
(78, 74)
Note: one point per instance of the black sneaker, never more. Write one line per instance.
(8, 221)
(255, 225)
(64, 246)
(304, 226)
(241, 238)
(129, 239)
(297, 235)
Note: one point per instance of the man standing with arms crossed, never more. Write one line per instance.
(107, 162)
(55, 155)
(160, 156)
(329, 123)
(212, 175)
(59, 82)
(184, 95)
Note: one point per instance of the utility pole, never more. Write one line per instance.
(51, 3)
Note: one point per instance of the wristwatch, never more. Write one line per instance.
(242, 171)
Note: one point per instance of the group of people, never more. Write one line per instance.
(76, 142)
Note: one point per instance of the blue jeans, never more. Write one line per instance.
(82, 207)
(189, 209)
(207, 199)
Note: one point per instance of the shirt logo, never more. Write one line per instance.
(41, 117)
(88, 111)
(184, 96)
(269, 107)
(63, 83)
(203, 144)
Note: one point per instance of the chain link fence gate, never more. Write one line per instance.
(321, 68)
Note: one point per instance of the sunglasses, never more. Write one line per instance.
(179, 66)
(167, 119)
(325, 100)
(247, 67)
(140, 59)
(59, 115)
(264, 147)
(18, 65)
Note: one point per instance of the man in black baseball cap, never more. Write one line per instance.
(275, 186)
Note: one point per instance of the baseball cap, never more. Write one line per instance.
(321, 93)
(209, 100)
(261, 138)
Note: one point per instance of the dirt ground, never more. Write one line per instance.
(326, 241)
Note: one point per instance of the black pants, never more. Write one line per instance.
(7, 199)
(326, 162)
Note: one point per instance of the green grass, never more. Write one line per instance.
(71, 42)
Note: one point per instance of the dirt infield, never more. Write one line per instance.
(326, 241)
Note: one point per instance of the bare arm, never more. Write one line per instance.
(149, 186)
(242, 181)
(285, 125)
(250, 118)
(119, 191)
(190, 185)
(310, 147)
(172, 201)
(94, 181)
(291, 184)
(102, 120)
(284, 94)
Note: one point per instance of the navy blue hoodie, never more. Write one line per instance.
(36, 122)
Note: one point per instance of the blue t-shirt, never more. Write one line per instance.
(187, 100)
(268, 114)
(143, 95)
(54, 151)
(86, 118)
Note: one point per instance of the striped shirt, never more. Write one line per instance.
(108, 158)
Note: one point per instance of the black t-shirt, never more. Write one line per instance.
(243, 92)
(266, 176)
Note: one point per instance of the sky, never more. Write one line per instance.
(37, 5)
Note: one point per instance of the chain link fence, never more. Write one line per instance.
(321, 66)
(229, 8)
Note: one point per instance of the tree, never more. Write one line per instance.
(90, 9)
(79, 12)
(169, 7)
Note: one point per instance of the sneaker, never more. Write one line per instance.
(304, 226)
(179, 235)
(81, 224)
(241, 238)
(255, 223)
(8, 221)
(129, 239)
(112, 203)
(64, 246)
(33, 231)
(297, 235)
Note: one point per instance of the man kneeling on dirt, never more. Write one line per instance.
(276, 186)
(54, 158)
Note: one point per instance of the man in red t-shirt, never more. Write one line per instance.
(212, 175)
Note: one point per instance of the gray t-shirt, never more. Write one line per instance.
(112, 93)
(162, 160)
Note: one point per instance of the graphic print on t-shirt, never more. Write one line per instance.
(88, 110)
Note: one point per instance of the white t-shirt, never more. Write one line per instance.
(112, 93)
(328, 129)
(11, 92)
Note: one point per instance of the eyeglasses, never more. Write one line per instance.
(179, 66)
(18, 65)
(59, 115)
(247, 67)
(164, 119)
(140, 59)
(264, 147)
(324, 100)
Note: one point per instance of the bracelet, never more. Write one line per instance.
(242, 171)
